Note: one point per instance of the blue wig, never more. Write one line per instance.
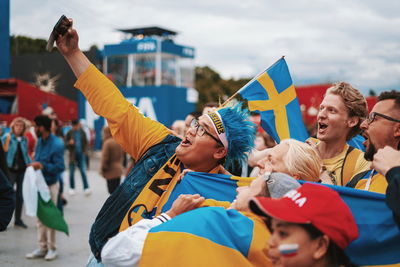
(240, 132)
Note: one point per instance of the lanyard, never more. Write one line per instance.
(368, 184)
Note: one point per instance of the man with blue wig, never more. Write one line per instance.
(225, 135)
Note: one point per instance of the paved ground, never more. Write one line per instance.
(79, 213)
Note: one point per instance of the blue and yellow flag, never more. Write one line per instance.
(272, 94)
(378, 243)
(379, 236)
(219, 187)
(209, 236)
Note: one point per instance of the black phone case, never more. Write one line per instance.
(60, 28)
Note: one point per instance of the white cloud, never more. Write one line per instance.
(355, 40)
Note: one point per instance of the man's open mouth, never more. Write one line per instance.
(365, 135)
(186, 142)
(322, 126)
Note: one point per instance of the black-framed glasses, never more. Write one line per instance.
(371, 117)
(200, 131)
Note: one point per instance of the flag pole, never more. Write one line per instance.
(230, 98)
(238, 91)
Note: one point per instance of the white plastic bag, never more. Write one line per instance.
(33, 183)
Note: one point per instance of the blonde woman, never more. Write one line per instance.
(15, 145)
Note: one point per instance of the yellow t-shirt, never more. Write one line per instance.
(130, 129)
(335, 165)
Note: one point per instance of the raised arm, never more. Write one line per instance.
(134, 132)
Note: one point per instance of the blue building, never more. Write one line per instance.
(152, 72)
(5, 39)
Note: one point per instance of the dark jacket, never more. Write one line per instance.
(7, 201)
(117, 205)
(393, 192)
(3, 162)
(71, 148)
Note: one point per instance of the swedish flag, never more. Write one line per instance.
(272, 94)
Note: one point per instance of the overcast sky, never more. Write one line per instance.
(323, 41)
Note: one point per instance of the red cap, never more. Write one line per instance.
(315, 204)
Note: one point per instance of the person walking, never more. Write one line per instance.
(49, 158)
(77, 146)
(16, 146)
(111, 161)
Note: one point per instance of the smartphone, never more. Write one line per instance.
(61, 27)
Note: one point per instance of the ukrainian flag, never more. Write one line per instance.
(218, 187)
(378, 242)
(209, 236)
(273, 95)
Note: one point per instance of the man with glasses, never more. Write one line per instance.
(200, 131)
(381, 129)
(224, 135)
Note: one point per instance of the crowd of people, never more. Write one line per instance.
(294, 224)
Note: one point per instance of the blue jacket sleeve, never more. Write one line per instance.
(56, 163)
(393, 192)
(7, 201)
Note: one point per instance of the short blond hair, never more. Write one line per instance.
(302, 160)
(354, 101)
(17, 120)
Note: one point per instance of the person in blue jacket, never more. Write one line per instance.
(15, 145)
(49, 158)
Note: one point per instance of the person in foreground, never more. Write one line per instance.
(132, 247)
(225, 135)
(310, 226)
(7, 201)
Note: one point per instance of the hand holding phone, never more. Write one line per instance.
(61, 27)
